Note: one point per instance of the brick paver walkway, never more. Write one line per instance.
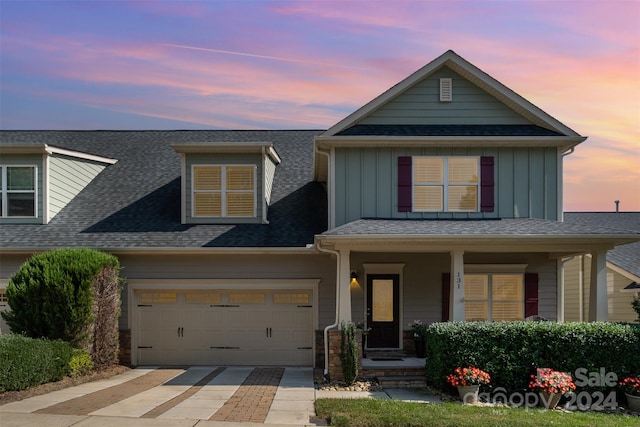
(252, 400)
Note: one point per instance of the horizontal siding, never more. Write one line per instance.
(366, 182)
(270, 171)
(67, 178)
(421, 105)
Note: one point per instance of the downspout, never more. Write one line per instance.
(326, 330)
(560, 181)
(330, 192)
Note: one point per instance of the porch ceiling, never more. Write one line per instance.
(501, 235)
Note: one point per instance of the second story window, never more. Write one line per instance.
(18, 185)
(445, 184)
(224, 191)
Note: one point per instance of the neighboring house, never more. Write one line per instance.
(442, 198)
(623, 270)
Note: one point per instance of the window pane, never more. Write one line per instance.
(428, 170)
(382, 294)
(428, 198)
(476, 287)
(21, 204)
(476, 311)
(20, 178)
(206, 178)
(507, 287)
(240, 204)
(207, 204)
(462, 198)
(240, 178)
(463, 170)
(506, 310)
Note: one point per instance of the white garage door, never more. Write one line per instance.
(225, 327)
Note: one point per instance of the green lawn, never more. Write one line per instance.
(386, 413)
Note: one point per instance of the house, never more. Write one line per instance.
(441, 199)
(623, 270)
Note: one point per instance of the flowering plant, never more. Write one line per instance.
(468, 376)
(550, 381)
(631, 385)
(419, 330)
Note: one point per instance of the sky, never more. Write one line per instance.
(161, 64)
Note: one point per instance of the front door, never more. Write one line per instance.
(383, 310)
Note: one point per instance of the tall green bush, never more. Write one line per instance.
(511, 351)
(636, 306)
(70, 295)
(349, 356)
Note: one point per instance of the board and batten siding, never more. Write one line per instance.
(420, 105)
(224, 159)
(367, 183)
(67, 177)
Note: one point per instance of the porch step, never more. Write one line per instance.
(392, 371)
(400, 381)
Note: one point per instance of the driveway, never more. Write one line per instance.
(203, 396)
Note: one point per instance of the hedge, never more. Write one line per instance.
(27, 362)
(511, 351)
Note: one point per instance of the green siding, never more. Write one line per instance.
(421, 104)
(67, 177)
(225, 159)
(366, 183)
(27, 160)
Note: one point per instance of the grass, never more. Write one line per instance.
(387, 413)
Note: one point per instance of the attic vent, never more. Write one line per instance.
(446, 90)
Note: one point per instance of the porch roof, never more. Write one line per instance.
(546, 234)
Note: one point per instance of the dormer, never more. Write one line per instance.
(226, 183)
(38, 181)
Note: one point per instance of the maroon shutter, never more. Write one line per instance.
(486, 184)
(530, 294)
(404, 184)
(446, 294)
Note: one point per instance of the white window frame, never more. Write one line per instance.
(490, 299)
(223, 191)
(445, 184)
(5, 192)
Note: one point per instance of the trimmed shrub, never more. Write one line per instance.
(80, 363)
(636, 306)
(68, 294)
(349, 352)
(27, 362)
(511, 351)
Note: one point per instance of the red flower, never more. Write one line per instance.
(631, 385)
(468, 376)
(550, 381)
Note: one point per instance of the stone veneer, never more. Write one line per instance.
(125, 347)
(335, 366)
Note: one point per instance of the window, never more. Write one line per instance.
(224, 191)
(18, 185)
(445, 184)
(493, 297)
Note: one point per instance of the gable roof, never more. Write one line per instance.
(135, 203)
(474, 75)
(626, 257)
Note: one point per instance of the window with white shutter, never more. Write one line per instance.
(224, 191)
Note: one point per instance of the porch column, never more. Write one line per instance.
(456, 300)
(343, 288)
(598, 304)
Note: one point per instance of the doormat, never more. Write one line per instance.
(387, 359)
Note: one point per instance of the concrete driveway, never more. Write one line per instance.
(203, 396)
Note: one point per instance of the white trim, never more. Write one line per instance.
(224, 191)
(183, 189)
(4, 191)
(64, 152)
(45, 188)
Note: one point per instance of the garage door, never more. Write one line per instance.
(225, 327)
